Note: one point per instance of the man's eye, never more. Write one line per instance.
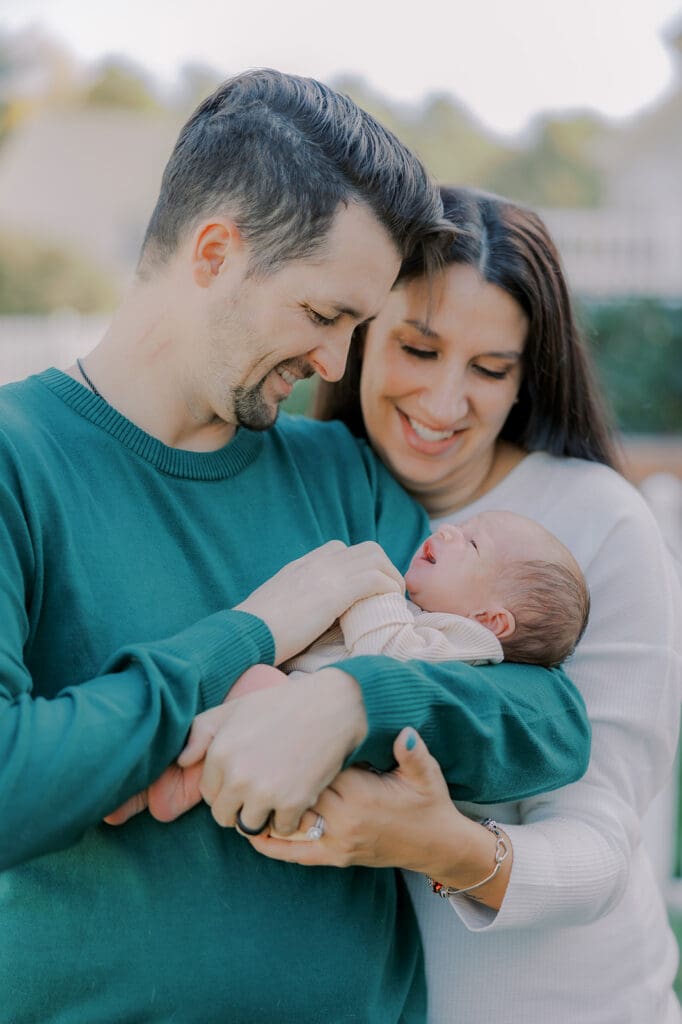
(419, 353)
(474, 545)
(323, 321)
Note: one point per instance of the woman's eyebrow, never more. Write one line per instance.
(423, 328)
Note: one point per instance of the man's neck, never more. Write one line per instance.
(140, 367)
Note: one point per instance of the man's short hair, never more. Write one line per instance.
(551, 605)
(280, 153)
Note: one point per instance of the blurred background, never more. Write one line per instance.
(574, 108)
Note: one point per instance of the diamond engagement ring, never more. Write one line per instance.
(316, 831)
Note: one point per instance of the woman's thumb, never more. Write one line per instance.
(411, 752)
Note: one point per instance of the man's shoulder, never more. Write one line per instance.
(313, 437)
(303, 428)
(20, 410)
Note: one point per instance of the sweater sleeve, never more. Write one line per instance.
(500, 732)
(573, 848)
(386, 624)
(69, 760)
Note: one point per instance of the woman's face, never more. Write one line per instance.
(438, 381)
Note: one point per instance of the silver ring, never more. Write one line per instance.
(316, 831)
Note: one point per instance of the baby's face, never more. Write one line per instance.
(456, 570)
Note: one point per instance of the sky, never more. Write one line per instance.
(505, 60)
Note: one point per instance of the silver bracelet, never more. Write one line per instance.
(501, 854)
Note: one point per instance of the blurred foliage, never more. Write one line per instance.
(197, 81)
(637, 346)
(553, 168)
(119, 83)
(556, 169)
(36, 277)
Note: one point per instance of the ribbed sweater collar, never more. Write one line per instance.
(225, 462)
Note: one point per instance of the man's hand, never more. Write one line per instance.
(276, 750)
(305, 597)
(177, 789)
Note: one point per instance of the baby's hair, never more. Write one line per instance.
(551, 605)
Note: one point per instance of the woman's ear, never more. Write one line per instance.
(499, 621)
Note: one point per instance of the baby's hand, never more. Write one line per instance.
(259, 677)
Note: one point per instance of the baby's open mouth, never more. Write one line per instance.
(427, 553)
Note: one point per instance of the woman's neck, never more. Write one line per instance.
(455, 495)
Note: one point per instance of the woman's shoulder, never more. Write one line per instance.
(584, 503)
(580, 483)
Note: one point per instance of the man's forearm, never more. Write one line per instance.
(499, 732)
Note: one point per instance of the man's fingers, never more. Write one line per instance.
(201, 736)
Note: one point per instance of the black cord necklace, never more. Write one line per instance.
(87, 379)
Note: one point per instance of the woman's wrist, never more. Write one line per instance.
(471, 855)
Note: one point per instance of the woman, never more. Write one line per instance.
(478, 395)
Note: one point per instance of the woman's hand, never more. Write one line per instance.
(304, 598)
(377, 820)
(404, 818)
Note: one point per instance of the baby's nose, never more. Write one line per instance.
(449, 533)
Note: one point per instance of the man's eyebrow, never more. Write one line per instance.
(354, 313)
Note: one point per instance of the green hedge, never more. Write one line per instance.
(637, 345)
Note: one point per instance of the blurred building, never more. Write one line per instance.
(86, 179)
(632, 245)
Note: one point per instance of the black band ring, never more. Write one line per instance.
(251, 831)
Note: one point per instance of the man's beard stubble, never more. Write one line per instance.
(252, 410)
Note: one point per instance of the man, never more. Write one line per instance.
(138, 514)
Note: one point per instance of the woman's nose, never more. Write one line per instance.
(447, 402)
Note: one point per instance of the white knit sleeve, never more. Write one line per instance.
(573, 848)
(388, 624)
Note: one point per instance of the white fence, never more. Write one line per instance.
(612, 251)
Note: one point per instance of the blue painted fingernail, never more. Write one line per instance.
(411, 741)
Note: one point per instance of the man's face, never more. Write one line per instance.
(265, 333)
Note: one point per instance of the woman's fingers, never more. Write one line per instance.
(415, 763)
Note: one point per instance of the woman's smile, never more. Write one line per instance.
(427, 440)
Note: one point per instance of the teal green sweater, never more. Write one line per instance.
(118, 559)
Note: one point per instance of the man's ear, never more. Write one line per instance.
(213, 245)
(499, 621)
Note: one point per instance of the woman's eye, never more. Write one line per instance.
(493, 374)
(323, 321)
(474, 545)
(419, 353)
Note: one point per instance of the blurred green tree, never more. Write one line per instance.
(555, 169)
(119, 83)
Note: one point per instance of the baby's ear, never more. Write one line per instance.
(499, 621)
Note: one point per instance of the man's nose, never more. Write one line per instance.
(329, 360)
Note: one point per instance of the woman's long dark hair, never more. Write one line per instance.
(560, 408)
